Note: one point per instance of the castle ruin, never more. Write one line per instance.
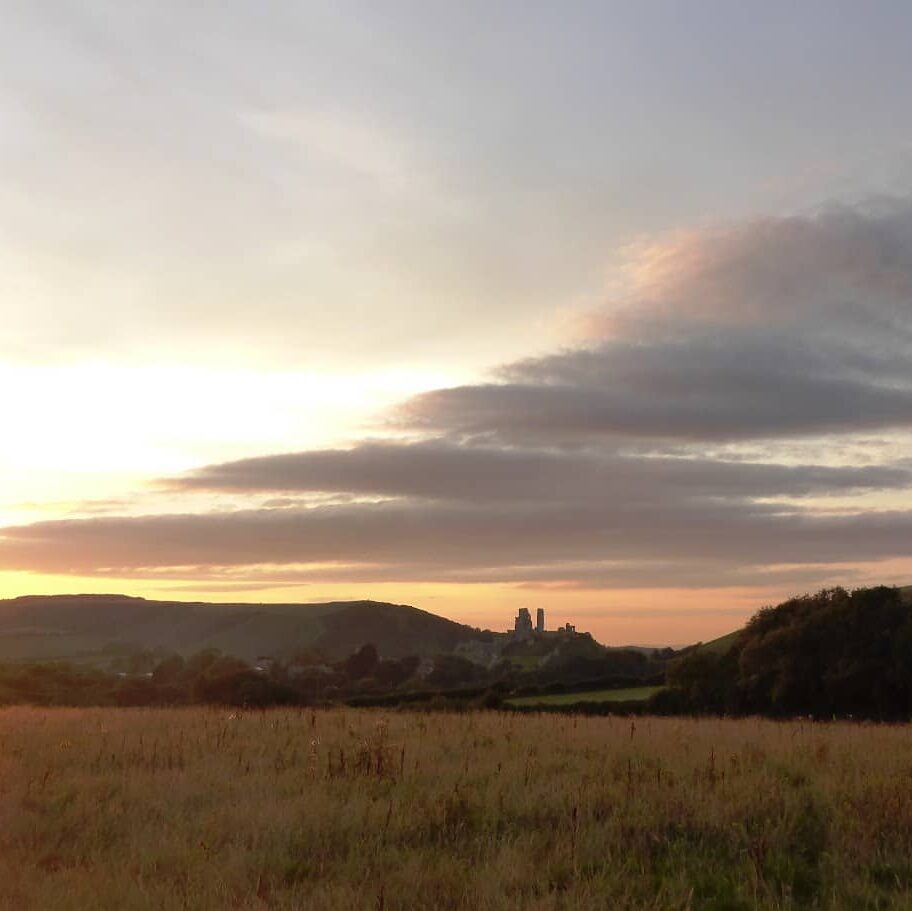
(523, 628)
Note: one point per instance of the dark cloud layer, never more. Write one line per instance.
(696, 389)
(441, 470)
(469, 538)
(779, 327)
(770, 330)
(556, 576)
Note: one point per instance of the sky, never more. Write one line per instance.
(604, 308)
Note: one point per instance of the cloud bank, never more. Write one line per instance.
(774, 328)
(611, 464)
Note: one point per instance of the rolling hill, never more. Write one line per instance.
(88, 627)
(722, 644)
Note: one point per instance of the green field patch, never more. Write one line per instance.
(721, 645)
(631, 694)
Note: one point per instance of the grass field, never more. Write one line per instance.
(722, 644)
(634, 694)
(347, 809)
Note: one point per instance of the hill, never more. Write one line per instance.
(89, 627)
(722, 644)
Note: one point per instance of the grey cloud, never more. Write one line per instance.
(440, 470)
(568, 575)
(526, 479)
(477, 537)
(851, 262)
(697, 392)
(776, 328)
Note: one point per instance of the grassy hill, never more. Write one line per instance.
(87, 627)
(722, 644)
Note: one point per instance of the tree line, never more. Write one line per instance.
(137, 677)
(833, 653)
(206, 677)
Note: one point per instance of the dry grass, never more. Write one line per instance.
(205, 809)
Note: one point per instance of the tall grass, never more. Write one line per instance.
(349, 809)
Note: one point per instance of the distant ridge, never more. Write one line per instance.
(87, 627)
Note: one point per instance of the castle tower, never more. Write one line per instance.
(540, 620)
(523, 624)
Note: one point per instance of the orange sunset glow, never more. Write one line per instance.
(455, 456)
(371, 307)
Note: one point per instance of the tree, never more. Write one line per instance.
(168, 670)
(362, 663)
(832, 653)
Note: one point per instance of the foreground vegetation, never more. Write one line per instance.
(350, 809)
(308, 679)
(835, 653)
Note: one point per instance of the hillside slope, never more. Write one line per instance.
(83, 627)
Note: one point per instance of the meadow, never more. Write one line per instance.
(356, 809)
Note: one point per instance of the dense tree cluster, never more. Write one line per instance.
(834, 653)
(207, 677)
(133, 676)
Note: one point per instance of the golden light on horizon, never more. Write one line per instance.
(260, 246)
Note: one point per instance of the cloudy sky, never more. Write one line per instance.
(604, 308)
